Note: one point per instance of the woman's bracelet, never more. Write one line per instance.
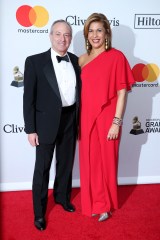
(117, 121)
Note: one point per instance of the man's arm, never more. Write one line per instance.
(29, 97)
(29, 102)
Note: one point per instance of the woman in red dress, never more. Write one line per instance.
(106, 78)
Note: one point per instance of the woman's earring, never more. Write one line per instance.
(87, 44)
(106, 44)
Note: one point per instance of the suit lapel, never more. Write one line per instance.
(77, 72)
(50, 74)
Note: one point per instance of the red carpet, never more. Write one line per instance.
(138, 217)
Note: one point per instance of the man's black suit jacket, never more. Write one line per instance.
(42, 104)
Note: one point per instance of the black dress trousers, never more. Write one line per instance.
(64, 146)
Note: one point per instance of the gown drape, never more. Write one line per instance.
(101, 79)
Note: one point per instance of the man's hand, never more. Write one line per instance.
(33, 139)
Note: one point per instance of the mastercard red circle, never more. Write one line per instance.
(23, 14)
(137, 72)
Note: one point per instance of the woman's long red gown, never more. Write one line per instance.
(101, 79)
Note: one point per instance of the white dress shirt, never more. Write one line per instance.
(66, 79)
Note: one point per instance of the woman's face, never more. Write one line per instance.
(97, 35)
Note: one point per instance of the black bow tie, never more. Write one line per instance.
(64, 58)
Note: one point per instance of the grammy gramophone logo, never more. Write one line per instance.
(136, 130)
(18, 78)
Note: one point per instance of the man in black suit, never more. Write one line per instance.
(51, 106)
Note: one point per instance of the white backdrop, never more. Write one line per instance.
(136, 32)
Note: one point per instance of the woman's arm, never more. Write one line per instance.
(121, 102)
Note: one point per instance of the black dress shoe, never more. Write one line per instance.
(66, 206)
(40, 223)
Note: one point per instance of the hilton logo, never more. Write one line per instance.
(147, 21)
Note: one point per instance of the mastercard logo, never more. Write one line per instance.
(32, 16)
(148, 72)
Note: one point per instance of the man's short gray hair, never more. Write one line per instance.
(60, 21)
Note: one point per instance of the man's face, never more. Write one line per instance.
(61, 37)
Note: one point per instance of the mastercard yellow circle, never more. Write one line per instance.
(151, 72)
(42, 16)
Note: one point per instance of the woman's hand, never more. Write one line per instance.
(113, 132)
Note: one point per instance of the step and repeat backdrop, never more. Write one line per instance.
(24, 28)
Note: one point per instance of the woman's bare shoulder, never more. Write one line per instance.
(82, 59)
